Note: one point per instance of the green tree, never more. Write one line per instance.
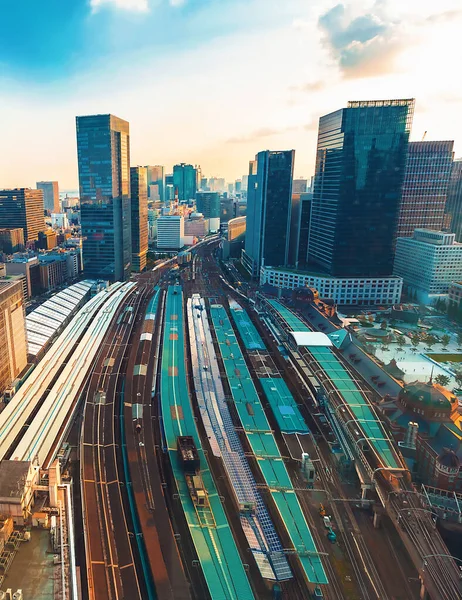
(458, 378)
(430, 340)
(415, 342)
(442, 380)
(445, 339)
(401, 341)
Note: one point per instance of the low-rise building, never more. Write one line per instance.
(428, 263)
(28, 266)
(12, 240)
(455, 293)
(13, 353)
(170, 232)
(344, 291)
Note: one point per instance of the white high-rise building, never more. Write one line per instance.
(170, 232)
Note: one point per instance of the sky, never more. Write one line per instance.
(212, 82)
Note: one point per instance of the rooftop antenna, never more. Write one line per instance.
(424, 136)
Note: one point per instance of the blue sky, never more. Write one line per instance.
(214, 81)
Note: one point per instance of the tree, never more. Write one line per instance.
(458, 378)
(383, 324)
(442, 380)
(401, 341)
(445, 339)
(415, 342)
(430, 340)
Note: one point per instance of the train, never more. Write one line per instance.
(190, 461)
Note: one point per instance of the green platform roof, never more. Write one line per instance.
(264, 446)
(283, 405)
(215, 546)
(247, 330)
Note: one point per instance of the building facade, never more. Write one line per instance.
(208, 203)
(50, 191)
(13, 348)
(155, 177)
(269, 203)
(170, 232)
(453, 214)
(22, 207)
(139, 217)
(28, 267)
(344, 291)
(12, 240)
(299, 186)
(103, 149)
(425, 187)
(360, 164)
(428, 263)
(185, 181)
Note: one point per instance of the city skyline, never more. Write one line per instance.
(323, 56)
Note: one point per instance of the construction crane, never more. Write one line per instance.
(424, 136)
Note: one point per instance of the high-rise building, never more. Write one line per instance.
(22, 207)
(360, 165)
(238, 186)
(204, 184)
(304, 229)
(184, 181)
(156, 177)
(170, 232)
(12, 240)
(13, 348)
(139, 207)
(269, 201)
(299, 186)
(208, 203)
(425, 187)
(103, 148)
(50, 191)
(454, 200)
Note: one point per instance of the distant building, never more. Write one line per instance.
(299, 186)
(13, 348)
(304, 228)
(22, 207)
(58, 267)
(103, 148)
(155, 177)
(152, 224)
(455, 293)
(228, 209)
(139, 217)
(425, 187)
(47, 240)
(204, 184)
(50, 191)
(196, 225)
(233, 243)
(170, 232)
(428, 263)
(360, 165)
(454, 200)
(344, 291)
(184, 181)
(208, 203)
(12, 240)
(238, 186)
(269, 201)
(28, 267)
(216, 184)
(59, 220)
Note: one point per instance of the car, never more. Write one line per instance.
(327, 522)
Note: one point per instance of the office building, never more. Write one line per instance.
(13, 348)
(233, 243)
(299, 186)
(196, 225)
(294, 230)
(152, 224)
(208, 203)
(28, 267)
(184, 181)
(103, 149)
(304, 228)
(12, 240)
(429, 263)
(425, 187)
(155, 182)
(59, 221)
(22, 207)
(50, 191)
(238, 186)
(455, 294)
(204, 184)
(47, 240)
(360, 165)
(170, 232)
(269, 201)
(139, 220)
(454, 200)
(344, 291)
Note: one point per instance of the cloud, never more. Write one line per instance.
(263, 132)
(134, 5)
(363, 46)
(311, 86)
(176, 2)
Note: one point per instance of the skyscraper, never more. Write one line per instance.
(156, 177)
(208, 203)
(50, 191)
(269, 201)
(184, 181)
(360, 164)
(139, 220)
(425, 187)
(22, 207)
(103, 148)
(13, 349)
(454, 200)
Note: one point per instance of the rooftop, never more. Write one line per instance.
(13, 477)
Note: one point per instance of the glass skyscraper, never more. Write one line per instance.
(185, 181)
(22, 207)
(139, 221)
(454, 200)
(269, 202)
(103, 149)
(50, 191)
(425, 187)
(360, 164)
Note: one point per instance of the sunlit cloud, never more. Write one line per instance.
(133, 5)
(176, 2)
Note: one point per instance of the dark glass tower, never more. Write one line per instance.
(454, 200)
(360, 163)
(425, 187)
(22, 207)
(184, 181)
(103, 148)
(139, 208)
(269, 203)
